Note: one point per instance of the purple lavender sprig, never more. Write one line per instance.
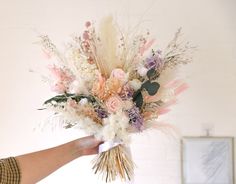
(155, 61)
(102, 113)
(135, 117)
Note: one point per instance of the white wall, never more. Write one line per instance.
(211, 99)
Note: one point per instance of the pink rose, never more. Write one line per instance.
(118, 74)
(114, 103)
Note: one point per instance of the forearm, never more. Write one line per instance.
(36, 166)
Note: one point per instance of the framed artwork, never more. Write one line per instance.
(208, 160)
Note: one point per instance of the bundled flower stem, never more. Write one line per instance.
(114, 162)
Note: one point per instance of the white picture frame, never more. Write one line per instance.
(207, 160)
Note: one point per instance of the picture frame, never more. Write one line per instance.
(207, 160)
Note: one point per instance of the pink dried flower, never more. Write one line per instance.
(72, 103)
(59, 87)
(62, 79)
(88, 24)
(60, 74)
(86, 35)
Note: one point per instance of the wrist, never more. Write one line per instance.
(75, 149)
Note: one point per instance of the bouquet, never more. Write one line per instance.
(112, 84)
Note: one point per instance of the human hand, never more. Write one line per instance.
(88, 145)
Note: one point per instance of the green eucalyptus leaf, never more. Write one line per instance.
(136, 93)
(151, 87)
(139, 101)
(145, 84)
(58, 99)
(151, 73)
(65, 97)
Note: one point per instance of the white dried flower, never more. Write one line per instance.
(54, 102)
(78, 87)
(135, 84)
(88, 125)
(115, 128)
(142, 71)
(87, 72)
(83, 101)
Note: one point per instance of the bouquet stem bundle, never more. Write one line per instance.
(112, 84)
(114, 162)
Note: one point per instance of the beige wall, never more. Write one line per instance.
(211, 99)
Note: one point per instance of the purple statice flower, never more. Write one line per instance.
(126, 93)
(135, 117)
(101, 112)
(155, 61)
(150, 63)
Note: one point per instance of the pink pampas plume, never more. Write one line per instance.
(181, 88)
(162, 111)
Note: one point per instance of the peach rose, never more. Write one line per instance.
(118, 74)
(114, 103)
